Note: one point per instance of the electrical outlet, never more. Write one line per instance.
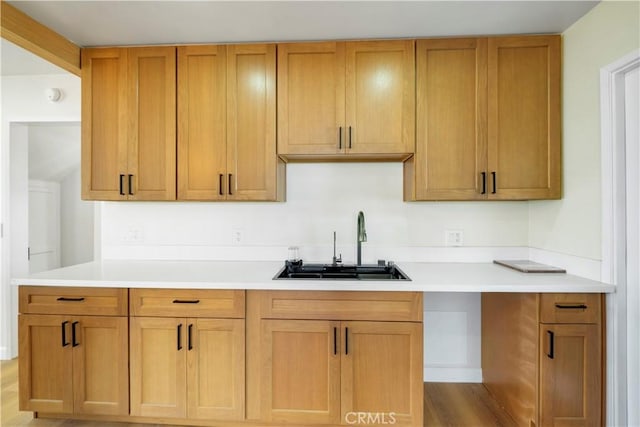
(132, 235)
(453, 237)
(237, 236)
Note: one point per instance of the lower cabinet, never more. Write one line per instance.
(187, 368)
(73, 364)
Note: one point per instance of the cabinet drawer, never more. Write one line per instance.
(323, 305)
(570, 308)
(187, 303)
(73, 300)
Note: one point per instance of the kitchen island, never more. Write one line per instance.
(219, 343)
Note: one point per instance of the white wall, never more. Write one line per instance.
(76, 227)
(573, 225)
(23, 101)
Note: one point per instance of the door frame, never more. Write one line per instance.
(613, 167)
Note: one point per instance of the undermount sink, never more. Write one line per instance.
(299, 270)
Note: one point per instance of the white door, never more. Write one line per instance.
(44, 225)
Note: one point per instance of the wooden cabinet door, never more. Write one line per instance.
(300, 371)
(380, 97)
(382, 372)
(202, 103)
(251, 122)
(570, 375)
(524, 117)
(451, 145)
(100, 365)
(311, 91)
(45, 363)
(158, 356)
(151, 173)
(215, 374)
(104, 123)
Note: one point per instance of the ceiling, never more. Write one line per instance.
(97, 23)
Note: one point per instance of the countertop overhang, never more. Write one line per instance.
(257, 275)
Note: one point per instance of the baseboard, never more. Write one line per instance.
(578, 266)
(452, 375)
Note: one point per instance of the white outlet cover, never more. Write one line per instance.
(453, 237)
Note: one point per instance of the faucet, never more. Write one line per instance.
(336, 260)
(362, 235)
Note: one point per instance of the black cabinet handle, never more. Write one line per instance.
(571, 306)
(346, 340)
(130, 182)
(63, 326)
(340, 138)
(493, 176)
(349, 137)
(335, 341)
(186, 301)
(74, 342)
(551, 340)
(189, 344)
(220, 185)
(484, 182)
(79, 299)
(230, 185)
(179, 336)
(121, 185)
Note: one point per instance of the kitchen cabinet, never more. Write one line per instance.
(186, 367)
(70, 363)
(542, 357)
(226, 123)
(128, 123)
(341, 100)
(321, 371)
(488, 119)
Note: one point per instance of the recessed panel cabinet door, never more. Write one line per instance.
(524, 117)
(104, 123)
(300, 371)
(46, 363)
(202, 140)
(382, 371)
(570, 375)
(380, 97)
(151, 173)
(451, 140)
(311, 90)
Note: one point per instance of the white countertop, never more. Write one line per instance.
(425, 277)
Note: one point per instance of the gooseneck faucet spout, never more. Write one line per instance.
(362, 235)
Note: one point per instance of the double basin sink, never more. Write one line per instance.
(299, 270)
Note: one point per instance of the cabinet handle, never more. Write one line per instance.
(71, 299)
(340, 138)
(189, 344)
(335, 341)
(349, 137)
(63, 326)
(186, 301)
(130, 182)
(571, 306)
(121, 185)
(179, 336)
(493, 176)
(550, 353)
(346, 340)
(484, 182)
(74, 342)
(220, 185)
(230, 192)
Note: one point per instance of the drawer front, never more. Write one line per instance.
(571, 308)
(187, 303)
(324, 305)
(73, 300)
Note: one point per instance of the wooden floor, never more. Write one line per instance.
(445, 405)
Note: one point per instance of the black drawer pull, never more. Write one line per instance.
(130, 189)
(74, 342)
(179, 336)
(220, 185)
(571, 306)
(230, 185)
(63, 326)
(79, 299)
(121, 185)
(189, 343)
(340, 138)
(346, 340)
(493, 175)
(550, 354)
(484, 182)
(186, 301)
(335, 341)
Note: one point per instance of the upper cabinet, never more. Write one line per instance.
(488, 120)
(128, 123)
(226, 123)
(346, 99)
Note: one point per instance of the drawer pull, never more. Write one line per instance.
(189, 343)
(346, 340)
(63, 326)
(71, 299)
(74, 342)
(179, 337)
(550, 353)
(571, 306)
(186, 301)
(335, 341)
(484, 182)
